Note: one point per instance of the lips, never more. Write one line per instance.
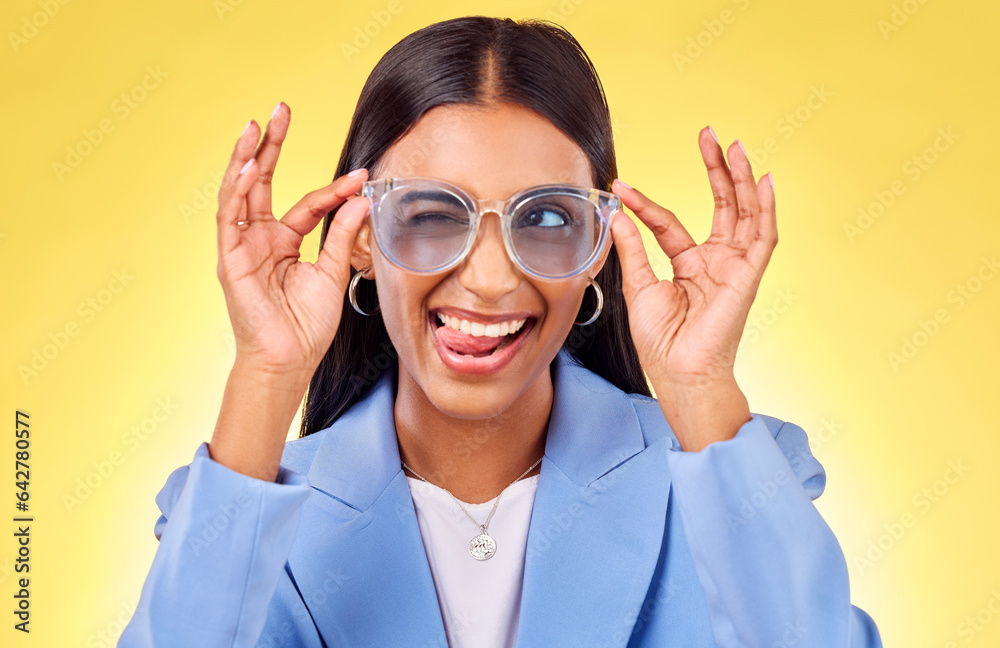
(473, 344)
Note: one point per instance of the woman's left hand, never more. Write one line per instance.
(686, 331)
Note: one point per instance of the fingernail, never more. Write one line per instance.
(245, 128)
(276, 109)
(355, 173)
(712, 133)
(742, 149)
(770, 179)
(623, 183)
(247, 166)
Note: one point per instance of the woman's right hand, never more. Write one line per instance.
(284, 312)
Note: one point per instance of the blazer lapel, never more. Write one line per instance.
(362, 516)
(598, 521)
(596, 530)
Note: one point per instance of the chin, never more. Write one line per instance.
(482, 401)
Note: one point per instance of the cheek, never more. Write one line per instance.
(401, 299)
(391, 291)
(563, 303)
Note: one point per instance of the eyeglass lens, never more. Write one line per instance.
(552, 234)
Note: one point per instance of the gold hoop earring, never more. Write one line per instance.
(352, 292)
(600, 305)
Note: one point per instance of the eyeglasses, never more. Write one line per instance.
(425, 225)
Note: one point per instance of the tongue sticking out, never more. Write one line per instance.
(468, 344)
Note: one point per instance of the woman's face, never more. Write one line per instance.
(492, 153)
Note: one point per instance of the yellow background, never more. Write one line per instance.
(864, 100)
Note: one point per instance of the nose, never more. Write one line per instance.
(487, 270)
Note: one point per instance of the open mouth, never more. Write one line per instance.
(477, 340)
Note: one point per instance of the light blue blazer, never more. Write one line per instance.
(632, 541)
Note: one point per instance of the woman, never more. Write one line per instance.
(491, 342)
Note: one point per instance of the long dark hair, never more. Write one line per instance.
(476, 60)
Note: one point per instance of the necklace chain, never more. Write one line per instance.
(496, 502)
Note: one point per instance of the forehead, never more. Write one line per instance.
(490, 151)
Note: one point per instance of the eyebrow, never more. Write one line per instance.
(425, 194)
(415, 195)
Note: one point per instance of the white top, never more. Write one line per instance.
(479, 599)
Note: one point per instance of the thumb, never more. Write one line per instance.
(637, 274)
(334, 258)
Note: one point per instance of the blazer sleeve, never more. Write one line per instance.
(772, 570)
(224, 540)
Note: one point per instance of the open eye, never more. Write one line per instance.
(543, 217)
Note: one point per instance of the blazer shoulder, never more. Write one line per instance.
(791, 439)
(298, 454)
(653, 424)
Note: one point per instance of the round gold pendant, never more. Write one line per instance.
(482, 547)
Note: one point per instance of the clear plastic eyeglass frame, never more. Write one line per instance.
(605, 202)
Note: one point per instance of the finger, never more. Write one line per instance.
(309, 211)
(637, 274)
(335, 257)
(242, 152)
(747, 207)
(259, 200)
(767, 225)
(723, 191)
(669, 232)
(230, 213)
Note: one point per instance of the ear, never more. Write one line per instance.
(361, 253)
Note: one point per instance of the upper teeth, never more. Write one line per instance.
(479, 329)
